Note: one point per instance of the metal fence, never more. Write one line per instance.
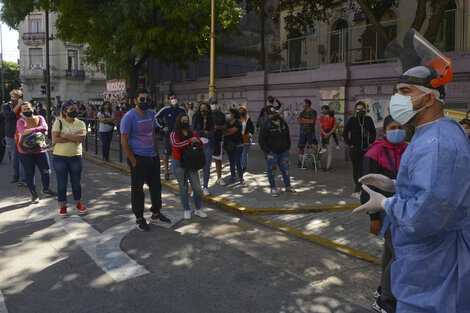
(353, 45)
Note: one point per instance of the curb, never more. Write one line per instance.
(251, 213)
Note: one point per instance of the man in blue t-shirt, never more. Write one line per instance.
(139, 141)
(166, 119)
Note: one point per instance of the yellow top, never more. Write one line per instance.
(68, 149)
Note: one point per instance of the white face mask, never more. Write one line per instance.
(174, 101)
(214, 107)
(401, 107)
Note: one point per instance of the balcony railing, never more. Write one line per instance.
(34, 38)
(75, 74)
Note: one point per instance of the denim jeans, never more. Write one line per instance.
(29, 162)
(64, 166)
(235, 157)
(278, 159)
(106, 138)
(182, 176)
(244, 160)
(207, 167)
(12, 152)
(146, 171)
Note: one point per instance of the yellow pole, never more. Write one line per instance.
(212, 53)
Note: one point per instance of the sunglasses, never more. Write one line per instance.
(142, 99)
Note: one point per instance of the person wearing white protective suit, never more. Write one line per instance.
(430, 211)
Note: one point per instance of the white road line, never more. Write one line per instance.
(104, 248)
(3, 307)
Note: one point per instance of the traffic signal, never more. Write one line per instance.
(43, 89)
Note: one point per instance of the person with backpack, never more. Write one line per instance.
(274, 140)
(384, 158)
(187, 160)
(263, 114)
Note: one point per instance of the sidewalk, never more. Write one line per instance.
(320, 211)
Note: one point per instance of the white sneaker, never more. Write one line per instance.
(221, 182)
(275, 192)
(187, 215)
(337, 148)
(356, 195)
(192, 194)
(291, 190)
(205, 191)
(322, 150)
(200, 213)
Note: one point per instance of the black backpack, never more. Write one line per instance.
(193, 157)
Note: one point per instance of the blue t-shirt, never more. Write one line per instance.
(140, 130)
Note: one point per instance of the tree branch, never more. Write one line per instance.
(420, 15)
(370, 15)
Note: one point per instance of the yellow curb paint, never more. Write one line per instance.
(345, 207)
(320, 240)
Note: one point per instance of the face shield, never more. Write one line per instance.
(420, 63)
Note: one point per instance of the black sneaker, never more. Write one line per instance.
(48, 192)
(142, 225)
(378, 292)
(34, 198)
(384, 306)
(160, 218)
(14, 180)
(167, 176)
(22, 184)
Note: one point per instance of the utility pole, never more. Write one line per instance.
(48, 80)
(1, 57)
(212, 53)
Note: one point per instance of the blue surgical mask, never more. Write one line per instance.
(401, 108)
(396, 136)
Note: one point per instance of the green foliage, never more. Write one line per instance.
(125, 33)
(11, 73)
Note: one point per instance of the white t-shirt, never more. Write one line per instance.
(103, 126)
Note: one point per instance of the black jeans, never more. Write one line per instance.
(146, 170)
(357, 156)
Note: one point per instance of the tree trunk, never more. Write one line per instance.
(134, 74)
(420, 15)
(436, 19)
(373, 19)
(262, 18)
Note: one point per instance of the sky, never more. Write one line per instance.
(10, 44)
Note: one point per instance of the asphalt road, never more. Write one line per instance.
(101, 263)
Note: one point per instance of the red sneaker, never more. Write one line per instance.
(81, 210)
(63, 212)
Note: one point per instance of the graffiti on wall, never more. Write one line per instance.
(377, 109)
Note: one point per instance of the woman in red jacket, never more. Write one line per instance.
(384, 157)
(180, 138)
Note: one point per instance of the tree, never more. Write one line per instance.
(11, 74)
(126, 33)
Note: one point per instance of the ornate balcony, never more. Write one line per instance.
(34, 38)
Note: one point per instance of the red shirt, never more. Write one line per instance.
(328, 122)
(177, 145)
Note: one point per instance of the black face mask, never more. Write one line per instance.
(184, 125)
(360, 113)
(14, 101)
(204, 112)
(144, 106)
(275, 118)
(72, 114)
(243, 114)
(28, 113)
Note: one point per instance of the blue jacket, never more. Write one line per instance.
(430, 216)
(167, 117)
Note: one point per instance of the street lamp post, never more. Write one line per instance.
(48, 79)
(212, 53)
(1, 56)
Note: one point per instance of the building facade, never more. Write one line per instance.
(70, 77)
(333, 65)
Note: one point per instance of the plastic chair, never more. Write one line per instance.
(311, 155)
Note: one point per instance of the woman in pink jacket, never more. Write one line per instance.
(30, 123)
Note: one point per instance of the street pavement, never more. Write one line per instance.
(322, 205)
(225, 263)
